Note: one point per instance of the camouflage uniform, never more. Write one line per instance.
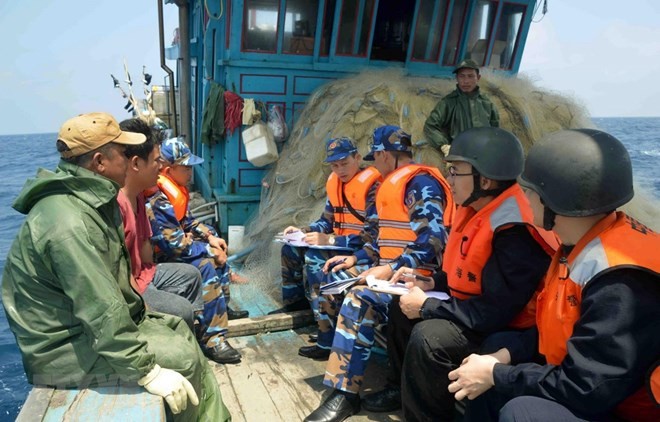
(171, 244)
(362, 309)
(302, 272)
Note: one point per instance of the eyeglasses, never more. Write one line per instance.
(453, 173)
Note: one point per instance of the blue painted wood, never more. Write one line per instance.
(288, 79)
(357, 34)
(443, 41)
(522, 37)
(105, 404)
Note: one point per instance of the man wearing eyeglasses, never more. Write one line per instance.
(464, 108)
(493, 264)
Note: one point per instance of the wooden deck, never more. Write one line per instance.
(273, 383)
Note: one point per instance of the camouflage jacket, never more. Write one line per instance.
(369, 231)
(426, 220)
(183, 240)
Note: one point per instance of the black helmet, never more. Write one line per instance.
(493, 152)
(579, 172)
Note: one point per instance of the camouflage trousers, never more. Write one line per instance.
(213, 319)
(326, 307)
(302, 274)
(360, 313)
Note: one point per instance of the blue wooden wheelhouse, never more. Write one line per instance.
(280, 51)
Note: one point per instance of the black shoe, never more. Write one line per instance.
(300, 305)
(223, 353)
(336, 408)
(313, 338)
(387, 400)
(232, 314)
(314, 352)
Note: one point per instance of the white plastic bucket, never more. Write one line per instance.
(260, 148)
(235, 238)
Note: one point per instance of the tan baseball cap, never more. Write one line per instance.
(87, 132)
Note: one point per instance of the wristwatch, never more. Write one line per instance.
(331, 240)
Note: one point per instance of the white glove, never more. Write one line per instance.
(172, 386)
(445, 149)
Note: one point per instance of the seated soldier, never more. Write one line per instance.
(171, 288)
(347, 221)
(179, 237)
(414, 204)
(598, 316)
(493, 264)
(66, 284)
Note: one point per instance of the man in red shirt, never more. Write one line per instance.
(171, 288)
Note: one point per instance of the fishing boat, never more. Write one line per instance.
(310, 63)
(279, 52)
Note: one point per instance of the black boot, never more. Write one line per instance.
(314, 352)
(232, 314)
(300, 305)
(387, 400)
(339, 406)
(223, 353)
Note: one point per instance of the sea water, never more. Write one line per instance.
(23, 154)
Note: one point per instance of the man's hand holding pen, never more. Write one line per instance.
(411, 279)
(339, 262)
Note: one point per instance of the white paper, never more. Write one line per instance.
(399, 289)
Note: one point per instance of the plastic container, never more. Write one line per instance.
(235, 239)
(260, 147)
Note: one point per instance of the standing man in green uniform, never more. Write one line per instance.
(66, 285)
(464, 108)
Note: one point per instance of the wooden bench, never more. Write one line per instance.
(92, 404)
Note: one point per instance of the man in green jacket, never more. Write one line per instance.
(66, 285)
(464, 108)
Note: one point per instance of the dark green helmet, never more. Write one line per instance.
(579, 172)
(495, 153)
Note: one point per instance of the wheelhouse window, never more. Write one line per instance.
(480, 30)
(260, 25)
(354, 27)
(506, 36)
(328, 23)
(429, 29)
(457, 17)
(392, 30)
(300, 26)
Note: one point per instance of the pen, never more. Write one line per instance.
(341, 261)
(422, 278)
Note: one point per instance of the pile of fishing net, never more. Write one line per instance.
(294, 189)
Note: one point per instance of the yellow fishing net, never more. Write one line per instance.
(354, 107)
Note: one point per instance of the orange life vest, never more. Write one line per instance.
(470, 245)
(394, 231)
(617, 241)
(178, 195)
(654, 383)
(356, 193)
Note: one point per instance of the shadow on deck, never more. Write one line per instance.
(272, 382)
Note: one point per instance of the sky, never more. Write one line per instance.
(57, 56)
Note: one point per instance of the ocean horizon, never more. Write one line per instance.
(641, 135)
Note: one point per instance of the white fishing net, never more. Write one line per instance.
(295, 187)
